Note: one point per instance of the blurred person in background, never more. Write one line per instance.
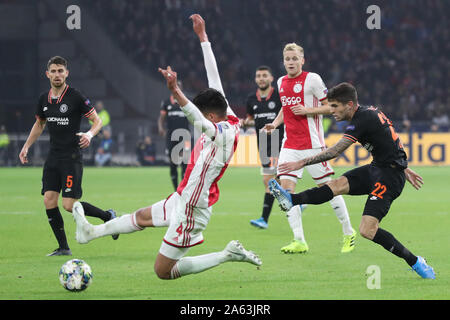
(262, 107)
(146, 153)
(171, 122)
(4, 145)
(104, 151)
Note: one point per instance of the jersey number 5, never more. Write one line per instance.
(69, 182)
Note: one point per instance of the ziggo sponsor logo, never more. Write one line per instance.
(290, 101)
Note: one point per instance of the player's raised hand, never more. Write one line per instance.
(287, 167)
(172, 83)
(198, 24)
(23, 155)
(85, 139)
(413, 178)
(299, 110)
(170, 76)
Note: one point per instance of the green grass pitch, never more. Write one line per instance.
(123, 269)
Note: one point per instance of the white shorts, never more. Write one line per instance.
(320, 172)
(185, 227)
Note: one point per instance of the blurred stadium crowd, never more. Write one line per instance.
(402, 68)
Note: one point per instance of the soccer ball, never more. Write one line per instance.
(75, 275)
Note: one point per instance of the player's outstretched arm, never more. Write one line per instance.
(35, 133)
(212, 72)
(301, 110)
(192, 113)
(325, 155)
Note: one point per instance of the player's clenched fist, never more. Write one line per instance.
(198, 24)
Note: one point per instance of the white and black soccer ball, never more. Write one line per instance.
(75, 275)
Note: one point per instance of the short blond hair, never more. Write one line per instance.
(292, 47)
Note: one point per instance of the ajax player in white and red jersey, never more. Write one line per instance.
(187, 211)
(303, 97)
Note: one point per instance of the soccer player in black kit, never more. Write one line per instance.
(172, 114)
(61, 109)
(382, 180)
(263, 107)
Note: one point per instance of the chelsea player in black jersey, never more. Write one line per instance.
(263, 107)
(382, 180)
(61, 110)
(176, 120)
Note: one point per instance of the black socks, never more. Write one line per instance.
(174, 175)
(57, 224)
(267, 207)
(388, 241)
(92, 211)
(316, 195)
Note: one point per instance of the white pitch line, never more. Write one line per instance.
(16, 212)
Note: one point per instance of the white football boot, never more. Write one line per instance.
(84, 228)
(237, 252)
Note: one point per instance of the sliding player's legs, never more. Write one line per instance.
(185, 231)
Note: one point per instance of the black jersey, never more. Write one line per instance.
(264, 110)
(374, 131)
(63, 116)
(175, 116)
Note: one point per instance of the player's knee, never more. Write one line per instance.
(368, 231)
(68, 206)
(144, 217)
(50, 202)
(339, 186)
(162, 272)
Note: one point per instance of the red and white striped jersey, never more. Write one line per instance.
(209, 160)
(302, 132)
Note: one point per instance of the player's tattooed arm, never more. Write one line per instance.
(329, 153)
(325, 155)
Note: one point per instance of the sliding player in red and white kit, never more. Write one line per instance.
(303, 97)
(187, 211)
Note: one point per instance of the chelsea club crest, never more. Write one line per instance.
(63, 108)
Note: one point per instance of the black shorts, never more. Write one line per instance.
(268, 153)
(382, 185)
(63, 175)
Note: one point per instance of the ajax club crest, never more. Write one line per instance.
(297, 87)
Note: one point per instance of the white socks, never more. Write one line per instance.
(339, 207)
(190, 265)
(294, 216)
(123, 224)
